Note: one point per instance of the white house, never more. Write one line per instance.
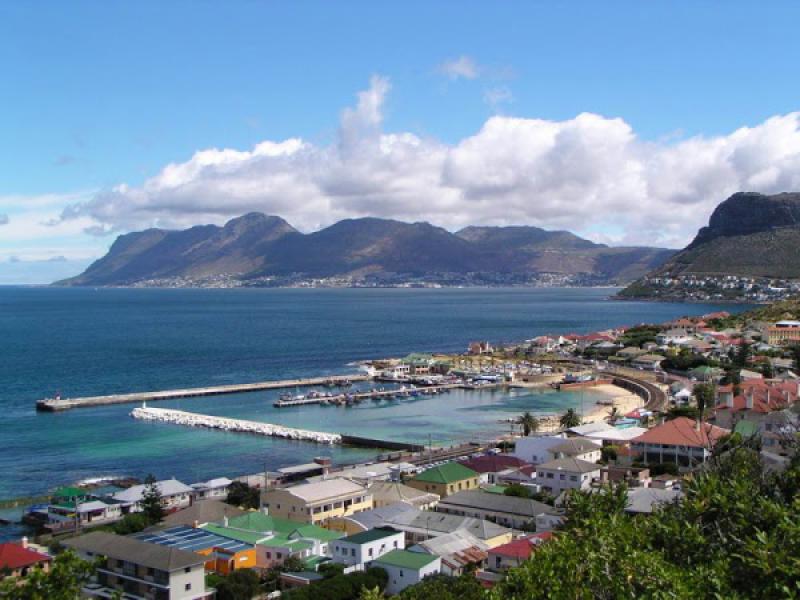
(213, 488)
(174, 495)
(360, 549)
(580, 448)
(562, 474)
(535, 449)
(406, 568)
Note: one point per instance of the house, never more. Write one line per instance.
(202, 513)
(423, 525)
(391, 492)
(631, 476)
(478, 348)
(406, 568)
(783, 333)
(580, 448)
(460, 551)
(557, 476)
(223, 555)
(649, 362)
(673, 336)
(138, 569)
(214, 488)
(631, 352)
(514, 553)
(509, 511)
(445, 479)
(360, 549)
(645, 500)
(534, 449)
(489, 466)
(370, 519)
(17, 559)
(174, 495)
(318, 502)
(682, 441)
(276, 538)
(755, 401)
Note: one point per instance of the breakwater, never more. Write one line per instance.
(189, 419)
(59, 404)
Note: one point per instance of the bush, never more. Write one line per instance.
(241, 494)
(239, 585)
(340, 587)
(131, 523)
(517, 490)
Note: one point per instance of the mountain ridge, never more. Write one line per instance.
(257, 246)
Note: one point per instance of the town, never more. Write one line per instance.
(471, 515)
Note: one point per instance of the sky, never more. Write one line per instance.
(625, 122)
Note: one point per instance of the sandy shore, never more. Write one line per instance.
(612, 397)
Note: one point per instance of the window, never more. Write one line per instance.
(187, 570)
(401, 572)
(187, 587)
(269, 554)
(352, 551)
(395, 543)
(370, 552)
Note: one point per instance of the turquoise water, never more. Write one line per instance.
(86, 342)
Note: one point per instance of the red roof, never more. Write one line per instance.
(682, 431)
(766, 397)
(15, 556)
(523, 547)
(494, 463)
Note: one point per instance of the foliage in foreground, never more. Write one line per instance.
(340, 587)
(67, 575)
(736, 534)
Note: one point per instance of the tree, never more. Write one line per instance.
(371, 594)
(340, 587)
(131, 523)
(242, 584)
(569, 419)
(734, 534)
(241, 494)
(613, 414)
(293, 564)
(517, 490)
(443, 587)
(64, 581)
(742, 355)
(705, 394)
(795, 353)
(151, 500)
(529, 423)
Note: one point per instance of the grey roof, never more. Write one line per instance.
(574, 465)
(136, 551)
(203, 511)
(378, 517)
(393, 491)
(645, 500)
(167, 487)
(575, 446)
(479, 500)
(435, 522)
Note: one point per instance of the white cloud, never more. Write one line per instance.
(590, 174)
(3, 219)
(462, 67)
(496, 96)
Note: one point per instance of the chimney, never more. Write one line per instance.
(24, 542)
(748, 398)
(195, 524)
(225, 521)
(728, 398)
(265, 510)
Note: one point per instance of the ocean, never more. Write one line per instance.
(80, 342)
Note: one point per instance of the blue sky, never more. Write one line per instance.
(95, 95)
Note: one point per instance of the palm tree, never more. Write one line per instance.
(569, 419)
(613, 414)
(529, 423)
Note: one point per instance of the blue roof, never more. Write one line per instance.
(191, 539)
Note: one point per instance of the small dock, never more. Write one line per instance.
(356, 397)
(60, 404)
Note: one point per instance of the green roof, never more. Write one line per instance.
(494, 489)
(261, 523)
(746, 428)
(372, 535)
(248, 537)
(406, 559)
(280, 541)
(70, 492)
(446, 473)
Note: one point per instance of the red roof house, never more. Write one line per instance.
(517, 551)
(682, 441)
(18, 558)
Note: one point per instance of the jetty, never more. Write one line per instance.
(355, 397)
(60, 404)
(190, 419)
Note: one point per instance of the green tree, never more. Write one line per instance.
(131, 523)
(242, 584)
(529, 423)
(517, 490)
(795, 354)
(152, 508)
(371, 594)
(569, 419)
(63, 582)
(442, 587)
(741, 357)
(241, 494)
(293, 564)
(704, 394)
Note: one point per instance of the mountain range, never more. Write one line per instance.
(256, 246)
(748, 235)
